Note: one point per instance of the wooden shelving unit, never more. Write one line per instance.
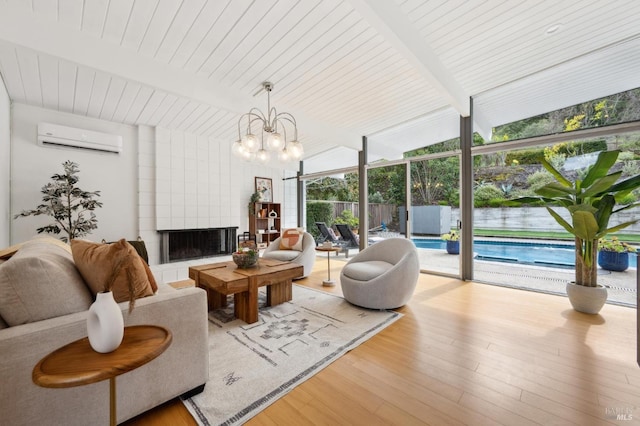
(265, 222)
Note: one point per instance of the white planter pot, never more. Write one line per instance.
(588, 300)
(105, 325)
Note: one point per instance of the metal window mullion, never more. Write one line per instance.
(328, 173)
(363, 196)
(466, 197)
(632, 126)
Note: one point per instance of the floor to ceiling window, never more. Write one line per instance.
(518, 246)
(525, 247)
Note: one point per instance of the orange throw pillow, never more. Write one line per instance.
(117, 264)
(291, 239)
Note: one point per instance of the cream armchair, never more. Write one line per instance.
(306, 257)
(382, 276)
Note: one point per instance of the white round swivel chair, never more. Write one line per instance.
(382, 276)
(306, 257)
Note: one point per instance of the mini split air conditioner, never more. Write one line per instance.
(54, 135)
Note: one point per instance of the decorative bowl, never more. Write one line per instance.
(245, 260)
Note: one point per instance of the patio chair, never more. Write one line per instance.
(351, 240)
(328, 234)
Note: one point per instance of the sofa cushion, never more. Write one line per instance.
(39, 282)
(292, 239)
(3, 324)
(366, 271)
(118, 263)
(284, 255)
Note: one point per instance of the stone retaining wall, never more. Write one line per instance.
(533, 218)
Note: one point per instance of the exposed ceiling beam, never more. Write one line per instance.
(388, 19)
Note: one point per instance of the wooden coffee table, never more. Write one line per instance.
(77, 364)
(224, 278)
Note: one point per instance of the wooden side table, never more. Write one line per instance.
(77, 364)
(328, 282)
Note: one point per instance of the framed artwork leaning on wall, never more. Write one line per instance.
(265, 189)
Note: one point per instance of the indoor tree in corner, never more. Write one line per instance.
(69, 206)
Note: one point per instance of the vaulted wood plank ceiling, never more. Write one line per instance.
(400, 72)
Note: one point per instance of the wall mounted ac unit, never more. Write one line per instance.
(54, 135)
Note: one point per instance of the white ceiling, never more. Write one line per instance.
(399, 72)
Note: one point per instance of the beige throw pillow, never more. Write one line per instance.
(39, 282)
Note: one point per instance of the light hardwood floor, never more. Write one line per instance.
(468, 353)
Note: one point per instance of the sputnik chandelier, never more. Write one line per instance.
(273, 134)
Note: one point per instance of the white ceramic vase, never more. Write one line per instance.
(105, 325)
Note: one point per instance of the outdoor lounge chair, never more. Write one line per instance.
(328, 234)
(352, 240)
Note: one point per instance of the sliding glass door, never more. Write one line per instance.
(435, 194)
(387, 193)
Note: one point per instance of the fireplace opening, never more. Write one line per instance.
(187, 244)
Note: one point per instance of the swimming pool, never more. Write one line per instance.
(532, 253)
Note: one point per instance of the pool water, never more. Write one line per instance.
(531, 253)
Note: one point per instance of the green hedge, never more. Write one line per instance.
(318, 212)
(529, 156)
(532, 156)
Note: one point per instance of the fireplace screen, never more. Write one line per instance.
(188, 244)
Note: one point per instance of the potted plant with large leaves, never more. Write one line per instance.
(590, 203)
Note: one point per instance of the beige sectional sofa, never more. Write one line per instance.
(181, 369)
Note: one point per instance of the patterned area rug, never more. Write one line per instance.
(252, 365)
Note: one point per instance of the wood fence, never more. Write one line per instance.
(378, 213)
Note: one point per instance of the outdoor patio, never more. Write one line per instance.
(621, 286)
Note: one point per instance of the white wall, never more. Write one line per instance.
(290, 201)
(32, 166)
(5, 162)
(163, 180)
(200, 184)
(147, 191)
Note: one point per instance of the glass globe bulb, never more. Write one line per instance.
(237, 148)
(250, 143)
(247, 156)
(263, 156)
(295, 150)
(275, 142)
(284, 155)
